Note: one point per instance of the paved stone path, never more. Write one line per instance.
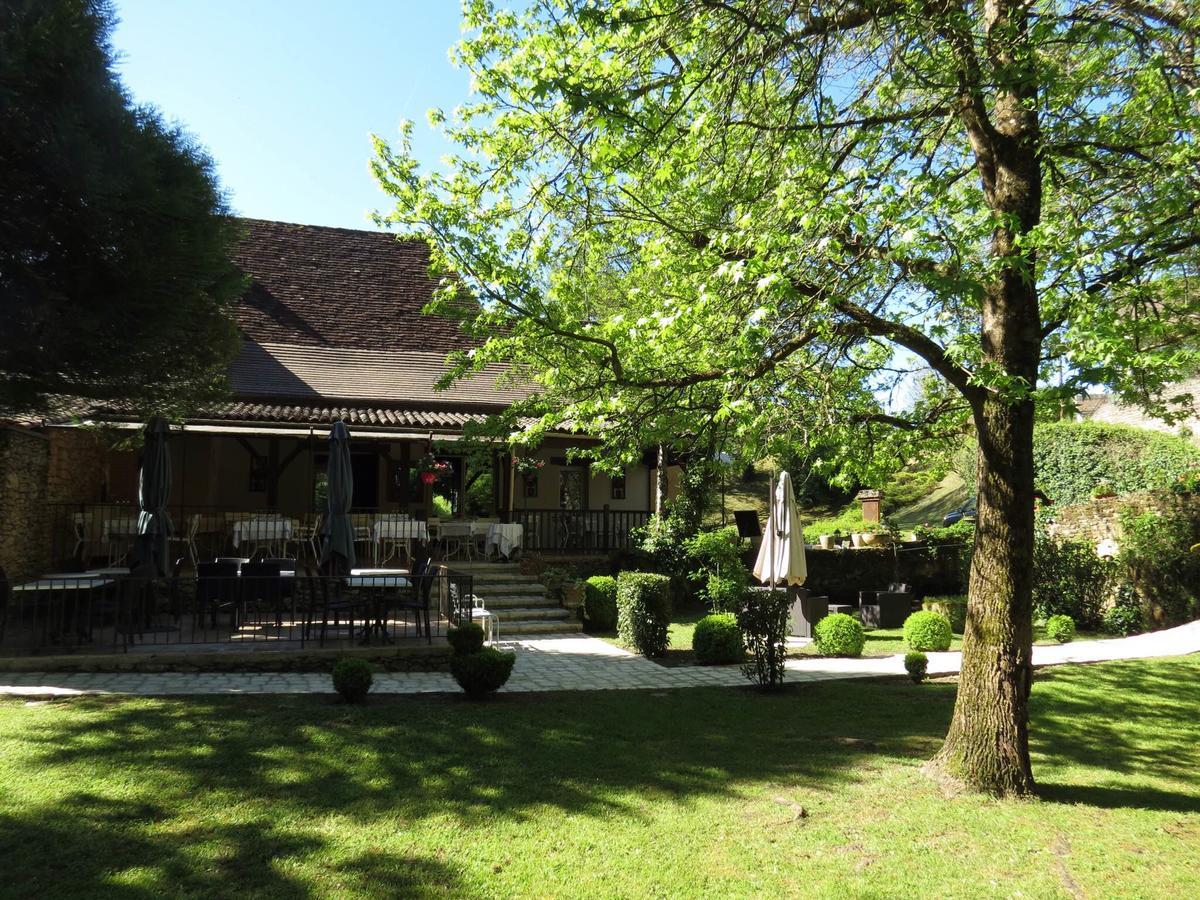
(574, 663)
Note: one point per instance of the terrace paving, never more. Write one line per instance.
(572, 663)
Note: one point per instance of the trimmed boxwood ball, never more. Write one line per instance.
(352, 679)
(482, 672)
(1060, 628)
(839, 635)
(927, 630)
(600, 603)
(644, 611)
(717, 640)
(916, 664)
(466, 638)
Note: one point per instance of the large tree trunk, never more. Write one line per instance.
(987, 747)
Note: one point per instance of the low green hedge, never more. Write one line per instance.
(600, 603)
(839, 635)
(927, 630)
(644, 611)
(352, 679)
(717, 640)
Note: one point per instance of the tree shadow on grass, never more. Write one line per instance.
(513, 755)
(126, 783)
(84, 845)
(1133, 721)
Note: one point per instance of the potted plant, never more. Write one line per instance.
(527, 465)
(871, 534)
(431, 468)
(826, 541)
(573, 593)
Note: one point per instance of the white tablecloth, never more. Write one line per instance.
(399, 530)
(262, 530)
(63, 584)
(505, 538)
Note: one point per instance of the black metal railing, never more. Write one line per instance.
(256, 605)
(576, 531)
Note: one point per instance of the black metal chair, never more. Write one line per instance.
(261, 589)
(416, 597)
(340, 605)
(217, 591)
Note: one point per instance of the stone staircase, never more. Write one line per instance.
(519, 601)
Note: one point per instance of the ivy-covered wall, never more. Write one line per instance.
(1072, 459)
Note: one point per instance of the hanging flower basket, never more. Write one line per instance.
(431, 469)
(527, 465)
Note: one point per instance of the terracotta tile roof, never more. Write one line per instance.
(290, 371)
(338, 287)
(326, 414)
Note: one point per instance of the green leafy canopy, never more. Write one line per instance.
(753, 222)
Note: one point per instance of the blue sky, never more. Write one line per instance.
(284, 94)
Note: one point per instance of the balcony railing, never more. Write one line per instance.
(584, 532)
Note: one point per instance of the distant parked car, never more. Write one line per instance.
(966, 512)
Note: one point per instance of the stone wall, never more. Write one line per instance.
(24, 461)
(76, 471)
(1099, 521)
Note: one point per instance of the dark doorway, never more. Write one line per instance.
(366, 479)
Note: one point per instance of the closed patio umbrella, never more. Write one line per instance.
(338, 530)
(781, 555)
(154, 492)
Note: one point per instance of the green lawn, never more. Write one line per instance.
(879, 642)
(684, 793)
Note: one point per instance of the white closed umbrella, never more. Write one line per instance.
(781, 555)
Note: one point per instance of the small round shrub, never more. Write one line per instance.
(352, 679)
(600, 603)
(916, 664)
(717, 640)
(839, 635)
(466, 638)
(1060, 628)
(927, 630)
(482, 672)
(953, 607)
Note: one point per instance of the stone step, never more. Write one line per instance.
(513, 630)
(508, 587)
(520, 613)
(484, 568)
(510, 601)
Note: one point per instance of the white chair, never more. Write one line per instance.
(307, 535)
(489, 621)
(456, 538)
(188, 538)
